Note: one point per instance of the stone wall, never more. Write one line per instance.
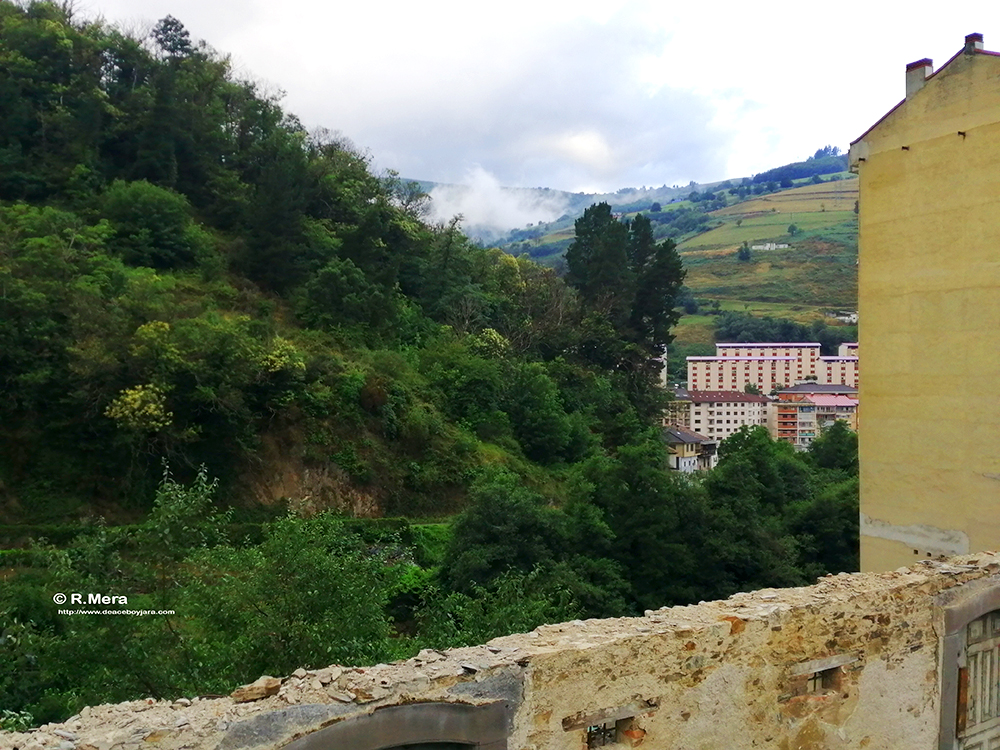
(855, 661)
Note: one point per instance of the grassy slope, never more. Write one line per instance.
(818, 270)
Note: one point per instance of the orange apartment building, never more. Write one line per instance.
(801, 413)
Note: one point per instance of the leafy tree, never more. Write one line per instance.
(170, 36)
(752, 494)
(340, 294)
(507, 528)
(184, 518)
(828, 530)
(743, 254)
(656, 520)
(513, 602)
(152, 226)
(311, 594)
(598, 264)
(836, 448)
(540, 423)
(659, 277)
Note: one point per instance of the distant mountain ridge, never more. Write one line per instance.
(555, 209)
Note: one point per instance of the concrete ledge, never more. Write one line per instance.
(482, 727)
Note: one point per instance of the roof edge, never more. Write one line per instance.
(950, 60)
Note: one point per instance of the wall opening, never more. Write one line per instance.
(824, 680)
(609, 733)
(416, 726)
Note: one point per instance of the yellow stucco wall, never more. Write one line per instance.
(929, 284)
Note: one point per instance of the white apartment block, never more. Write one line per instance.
(842, 369)
(718, 414)
(770, 366)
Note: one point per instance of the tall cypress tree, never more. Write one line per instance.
(625, 277)
(659, 276)
(598, 263)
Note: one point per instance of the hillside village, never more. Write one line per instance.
(725, 392)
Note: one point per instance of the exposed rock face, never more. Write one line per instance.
(852, 662)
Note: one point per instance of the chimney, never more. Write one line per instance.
(973, 43)
(916, 73)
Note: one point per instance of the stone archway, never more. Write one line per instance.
(416, 726)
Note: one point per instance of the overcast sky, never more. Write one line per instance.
(581, 95)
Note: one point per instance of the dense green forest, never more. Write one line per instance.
(222, 335)
(827, 160)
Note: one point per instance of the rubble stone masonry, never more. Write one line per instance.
(855, 661)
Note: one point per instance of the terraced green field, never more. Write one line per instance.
(769, 227)
(816, 273)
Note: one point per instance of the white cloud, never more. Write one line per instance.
(587, 93)
(588, 149)
(488, 209)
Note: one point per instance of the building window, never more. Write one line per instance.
(826, 679)
(602, 735)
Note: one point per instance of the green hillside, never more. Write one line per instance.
(189, 278)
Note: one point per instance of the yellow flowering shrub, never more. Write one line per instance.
(141, 408)
(282, 356)
(489, 343)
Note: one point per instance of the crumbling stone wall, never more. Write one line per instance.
(854, 661)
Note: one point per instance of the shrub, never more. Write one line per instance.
(152, 225)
